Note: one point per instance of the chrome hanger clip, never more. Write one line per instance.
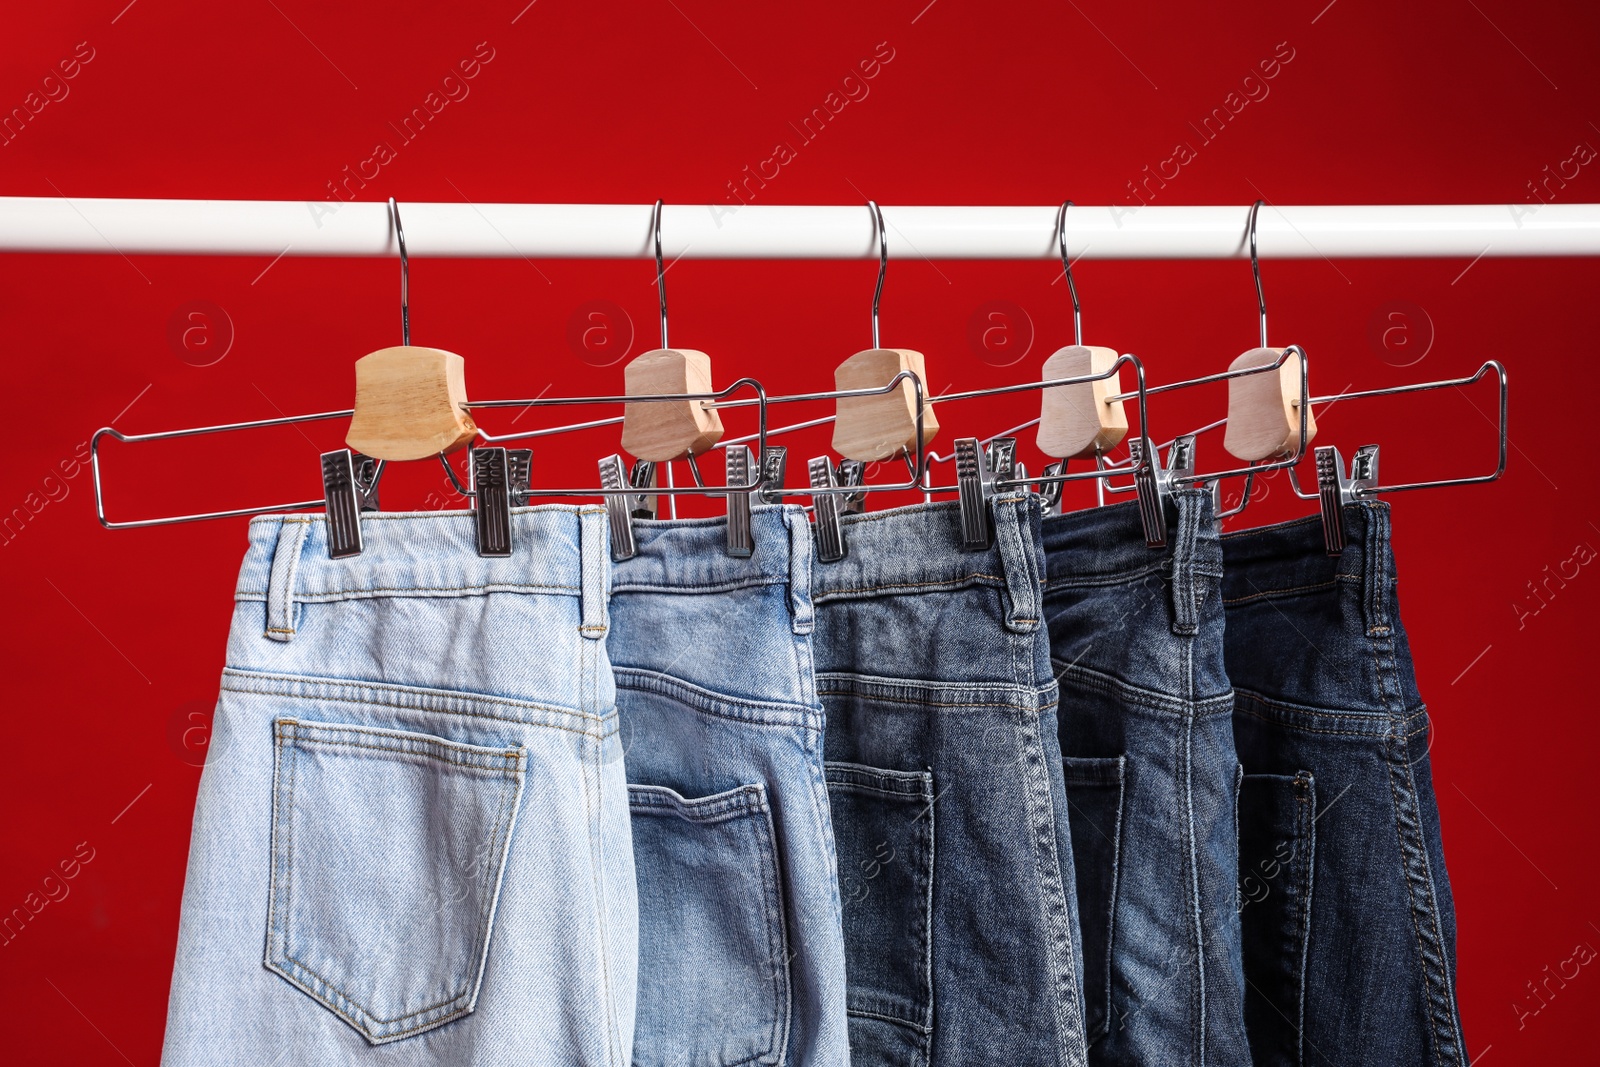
(349, 487)
(1215, 488)
(978, 469)
(642, 479)
(519, 471)
(852, 472)
(619, 507)
(828, 508)
(1003, 458)
(1050, 491)
(774, 467)
(495, 492)
(1334, 490)
(739, 460)
(1155, 482)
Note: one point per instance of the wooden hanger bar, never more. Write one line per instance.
(759, 231)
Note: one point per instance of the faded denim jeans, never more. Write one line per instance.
(1349, 927)
(741, 954)
(411, 842)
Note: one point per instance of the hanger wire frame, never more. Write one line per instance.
(1140, 394)
(920, 464)
(1251, 470)
(760, 400)
(1492, 366)
(914, 458)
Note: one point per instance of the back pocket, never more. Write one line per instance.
(1277, 820)
(713, 953)
(883, 835)
(387, 852)
(1094, 816)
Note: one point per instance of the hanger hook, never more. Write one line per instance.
(883, 265)
(1255, 268)
(405, 274)
(1066, 268)
(661, 274)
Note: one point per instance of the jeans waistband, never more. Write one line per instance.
(558, 551)
(1291, 557)
(1105, 546)
(917, 549)
(691, 556)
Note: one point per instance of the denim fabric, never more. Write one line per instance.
(945, 779)
(411, 841)
(741, 954)
(1136, 635)
(1349, 929)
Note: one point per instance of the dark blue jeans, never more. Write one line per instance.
(1136, 634)
(945, 782)
(1349, 930)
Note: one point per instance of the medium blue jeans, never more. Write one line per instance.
(411, 841)
(1137, 637)
(948, 805)
(1349, 928)
(741, 954)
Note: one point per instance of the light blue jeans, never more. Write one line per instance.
(741, 952)
(411, 842)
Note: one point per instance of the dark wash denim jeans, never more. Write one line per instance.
(741, 949)
(1349, 929)
(1136, 635)
(945, 779)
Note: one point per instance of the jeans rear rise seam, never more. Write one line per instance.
(1053, 888)
(1444, 1032)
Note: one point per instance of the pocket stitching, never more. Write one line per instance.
(777, 936)
(746, 801)
(511, 755)
(844, 776)
(1305, 795)
(1119, 781)
(354, 1008)
(320, 988)
(702, 811)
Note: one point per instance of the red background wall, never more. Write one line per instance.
(114, 640)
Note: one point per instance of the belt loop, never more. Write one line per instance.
(281, 607)
(1016, 535)
(594, 553)
(1375, 565)
(1185, 589)
(802, 613)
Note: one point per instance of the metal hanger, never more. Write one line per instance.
(628, 493)
(1261, 404)
(1067, 429)
(1335, 489)
(660, 436)
(900, 425)
(988, 467)
(500, 477)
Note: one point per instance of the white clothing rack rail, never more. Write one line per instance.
(759, 231)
